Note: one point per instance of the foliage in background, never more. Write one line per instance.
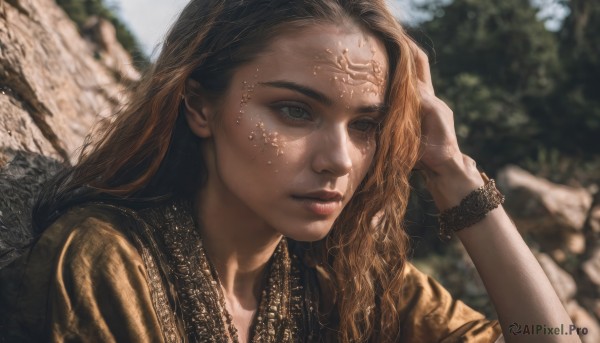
(580, 86)
(81, 10)
(521, 94)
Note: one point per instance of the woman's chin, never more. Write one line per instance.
(312, 234)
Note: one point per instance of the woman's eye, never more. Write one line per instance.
(294, 113)
(366, 126)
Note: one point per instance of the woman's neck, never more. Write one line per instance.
(237, 244)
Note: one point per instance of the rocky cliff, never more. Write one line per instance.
(55, 83)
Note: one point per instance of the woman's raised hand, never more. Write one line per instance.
(450, 174)
(494, 244)
(439, 143)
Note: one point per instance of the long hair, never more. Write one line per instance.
(146, 152)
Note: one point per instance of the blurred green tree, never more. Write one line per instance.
(577, 100)
(492, 62)
(521, 94)
(80, 10)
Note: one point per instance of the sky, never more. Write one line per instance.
(149, 20)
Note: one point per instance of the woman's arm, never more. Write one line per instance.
(516, 283)
(513, 278)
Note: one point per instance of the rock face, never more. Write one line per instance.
(554, 214)
(54, 85)
(564, 223)
(563, 283)
(565, 287)
(582, 319)
(591, 268)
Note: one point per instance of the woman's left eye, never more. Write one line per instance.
(365, 125)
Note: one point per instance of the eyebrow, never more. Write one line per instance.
(320, 97)
(311, 93)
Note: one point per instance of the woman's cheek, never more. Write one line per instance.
(364, 154)
(268, 144)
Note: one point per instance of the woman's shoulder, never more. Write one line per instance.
(85, 231)
(87, 247)
(86, 240)
(83, 235)
(91, 231)
(94, 225)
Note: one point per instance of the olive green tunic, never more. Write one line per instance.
(85, 281)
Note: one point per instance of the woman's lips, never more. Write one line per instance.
(320, 207)
(322, 203)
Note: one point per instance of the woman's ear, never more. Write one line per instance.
(198, 112)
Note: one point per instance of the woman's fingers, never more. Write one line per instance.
(438, 138)
(422, 64)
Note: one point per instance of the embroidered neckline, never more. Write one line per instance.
(279, 316)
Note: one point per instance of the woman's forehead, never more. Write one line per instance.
(322, 40)
(344, 57)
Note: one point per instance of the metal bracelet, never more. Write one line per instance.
(471, 210)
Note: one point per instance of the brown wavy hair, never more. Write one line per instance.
(147, 152)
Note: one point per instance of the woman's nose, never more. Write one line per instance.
(332, 153)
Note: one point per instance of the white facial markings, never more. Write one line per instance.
(360, 73)
(370, 74)
(316, 68)
(270, 139)
(350, 182)
(366, 148)
(247, 91)
(260, 133)
(354, 70)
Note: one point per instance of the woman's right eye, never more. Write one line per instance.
(294, 113)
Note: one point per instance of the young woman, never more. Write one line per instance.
(254, 190)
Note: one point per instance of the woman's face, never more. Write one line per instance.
(294, 135)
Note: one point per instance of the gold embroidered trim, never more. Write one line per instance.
(279, 317)
(166, 317)
(159, 299)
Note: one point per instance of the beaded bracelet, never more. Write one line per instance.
(471, 210)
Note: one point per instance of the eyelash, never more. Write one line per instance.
(373, 125)
(282, 108)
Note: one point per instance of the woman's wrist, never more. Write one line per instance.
(453, 181)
